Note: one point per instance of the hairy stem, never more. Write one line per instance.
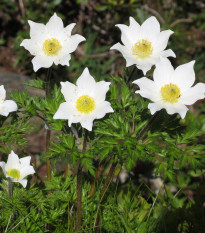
(48, 132)
(104, 189)
(79, 188)
(10, 188)
(98, 173)
(132, 73)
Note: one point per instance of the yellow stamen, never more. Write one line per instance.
(170, 93)
(142, 49)
(85, 104)
(51, 47)
(14, 173)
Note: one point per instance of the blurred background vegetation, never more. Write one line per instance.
(135, 203)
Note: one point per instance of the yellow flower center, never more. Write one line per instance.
(85, 104)
(170, 93)
(14, 173)
(142, 49)
(51, 47)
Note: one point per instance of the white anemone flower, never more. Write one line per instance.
(143, 45)
(85, 101)
(17, 169)
(6, 106)
(51, 43)
(171, 89)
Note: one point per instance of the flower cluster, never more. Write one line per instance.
(171, 89)
(143, 46)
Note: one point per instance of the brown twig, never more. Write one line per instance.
(181, 21)
(154, 12)
(22, 8)
(104, 54)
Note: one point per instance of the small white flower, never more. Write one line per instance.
(85, 101)
(6, 106)
(171, 89)
(17, 169)
(51, 42)
(143, 45)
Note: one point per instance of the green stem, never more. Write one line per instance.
(10, 188)
(79, 188)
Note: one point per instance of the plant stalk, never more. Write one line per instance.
(10, 188)
(98, 173)
(130, 77)
(48, 132)
(79, 188)
(104, 189)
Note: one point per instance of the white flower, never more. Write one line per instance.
(85, 101)
(51, 42)
(143, 45)
(171, 89)
(17, 169)
(6, 106)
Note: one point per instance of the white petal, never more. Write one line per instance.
(63, 111)
(73, 42)
(101, 89)
(23, 182)
(148, 89)
(144, 68)
(68, 90)
(167, 53)
(170, 108)
(102, 109)
(36, 29)
(150, 28)
(193, 94)
(25, 171)
(8, 106)
(162, 40)
(184, 76)
(128, 35)
(177, 108)
(68, 29)
(87, 124)
(86, 81)
(25, 161)
(12, 162)
(163, 72)
(154, 107)
(130, 60)
(32, 46)
(2, 94)
(55, 24)
(42, 61)
(134, 25)
(64, 60)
